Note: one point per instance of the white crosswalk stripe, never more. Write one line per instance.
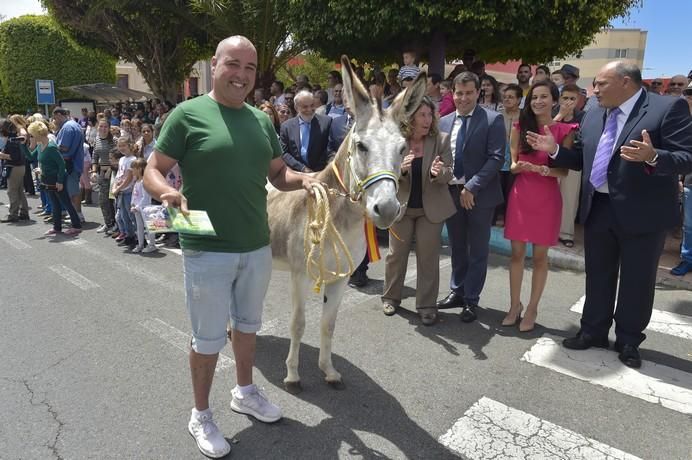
(661, 321)
(492, 430)
(73, 277)
(654, 383)
(14, 241)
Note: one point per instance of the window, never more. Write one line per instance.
(621, 53)
(123, 81)
(554, 64)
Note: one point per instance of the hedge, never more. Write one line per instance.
(33, 47)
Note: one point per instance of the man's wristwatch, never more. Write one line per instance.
(653, 161)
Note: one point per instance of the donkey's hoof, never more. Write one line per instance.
(336, 385)
(293, 387)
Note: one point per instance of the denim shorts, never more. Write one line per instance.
(222, 287)
(72, 183)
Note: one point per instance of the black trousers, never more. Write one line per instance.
(613, 252)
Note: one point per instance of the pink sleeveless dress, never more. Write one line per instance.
(534, 206)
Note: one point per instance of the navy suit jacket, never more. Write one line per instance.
(337, 133)
(317, 148)
(644, 198)
(483, 155)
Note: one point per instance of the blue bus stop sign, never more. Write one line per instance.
(45, 92)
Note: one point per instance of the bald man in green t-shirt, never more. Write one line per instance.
(226, 150)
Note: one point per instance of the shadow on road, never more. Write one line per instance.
(364, 416)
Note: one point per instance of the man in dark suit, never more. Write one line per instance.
(478, 139)
(632, 148)
(304, 138)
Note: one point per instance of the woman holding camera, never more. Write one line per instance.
(12, 154)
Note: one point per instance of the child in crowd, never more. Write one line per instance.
(84, 182)
(114, 157)
(124, 181)
(410, 68)
(141, 199)
(175, 180)
(447, 103)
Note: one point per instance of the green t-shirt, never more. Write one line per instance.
(224, 157)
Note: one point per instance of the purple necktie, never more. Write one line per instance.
(604, 152)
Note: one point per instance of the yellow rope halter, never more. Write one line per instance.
(320, 236)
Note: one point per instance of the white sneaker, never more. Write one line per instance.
(150, 248)
(255, 404)
(137, 249)
(210, 440)
(102, 228)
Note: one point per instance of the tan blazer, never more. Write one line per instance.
(437, 202)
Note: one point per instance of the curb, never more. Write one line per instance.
(566, 261)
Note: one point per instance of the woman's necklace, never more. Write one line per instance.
(417, 148)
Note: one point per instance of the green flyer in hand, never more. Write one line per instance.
(195, 223)
(165, 220)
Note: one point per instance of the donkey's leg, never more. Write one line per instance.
(332, 299)
(299, 289)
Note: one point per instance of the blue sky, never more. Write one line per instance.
(668, 49)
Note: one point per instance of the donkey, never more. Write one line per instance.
(373, 149)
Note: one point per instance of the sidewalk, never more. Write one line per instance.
(573, 258)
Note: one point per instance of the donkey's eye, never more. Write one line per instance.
(362, 147)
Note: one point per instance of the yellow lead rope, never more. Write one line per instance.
(321, 235)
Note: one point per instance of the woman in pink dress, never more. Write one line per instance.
(534, 208)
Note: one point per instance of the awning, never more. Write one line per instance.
(108, 93)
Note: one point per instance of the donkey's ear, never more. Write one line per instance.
(408, 102)
(356, 95)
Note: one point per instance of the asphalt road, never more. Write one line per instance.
(94, 366)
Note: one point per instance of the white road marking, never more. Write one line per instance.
(137, 271)
(490, 430)
(661, 321)
(177, 251)
(671, 388)
(73, 277)
(14, 241)
(181, 340)
(77, 242)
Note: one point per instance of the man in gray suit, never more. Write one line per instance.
(304, 138)
(477, 138)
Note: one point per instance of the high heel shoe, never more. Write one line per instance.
(525, 326)
(516, 320)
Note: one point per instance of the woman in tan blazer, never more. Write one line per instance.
(426, 204)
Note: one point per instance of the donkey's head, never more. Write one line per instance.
(376, 144)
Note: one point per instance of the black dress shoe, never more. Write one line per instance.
(9, 219)
(359, 278)
(582, 341)
(453, 300)
(629, 355)
(468, 314)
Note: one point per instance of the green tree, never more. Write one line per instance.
(262, 21)
(532, 30)
(163, 38)
(34, 47)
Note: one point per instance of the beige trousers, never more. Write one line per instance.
(15, 192)
(569, 188)
(428, 238)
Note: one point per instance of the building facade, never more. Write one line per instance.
(199, 81)
(607, 45)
